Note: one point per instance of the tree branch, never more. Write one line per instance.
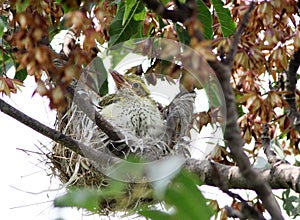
(39, 127)
(246, 211)
(236, 143)
(265, 138)
(232, 131)
(293, 114)
(283, 176)
(57, 136)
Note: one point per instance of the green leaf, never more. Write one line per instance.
(97, 74)
(139, 11)
(224, 17)
(116, 56)
(104, 88)
(139, 33)
(21, 5)
(129, 4)
(160, 22)
(3, 24)
(140, 14)
(52, 32)
(240, 110)
(4, 57)
(186, 199)
(291, 204)
(21, 75)
(155, 215)
(182, 34)
(87, 198)
(81, 198)
(205, 17)
(165, 1)
(7, 61)
(185, 195)
(119, 32)
(212, 92)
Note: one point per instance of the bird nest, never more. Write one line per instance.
(75, 170)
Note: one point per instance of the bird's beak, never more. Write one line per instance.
(119, 79)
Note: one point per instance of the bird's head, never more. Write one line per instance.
(131, 81)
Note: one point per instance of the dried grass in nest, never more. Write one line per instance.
(75, 170)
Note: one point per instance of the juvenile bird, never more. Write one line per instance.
(132, 110)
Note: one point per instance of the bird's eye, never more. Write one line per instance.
(135, 85)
